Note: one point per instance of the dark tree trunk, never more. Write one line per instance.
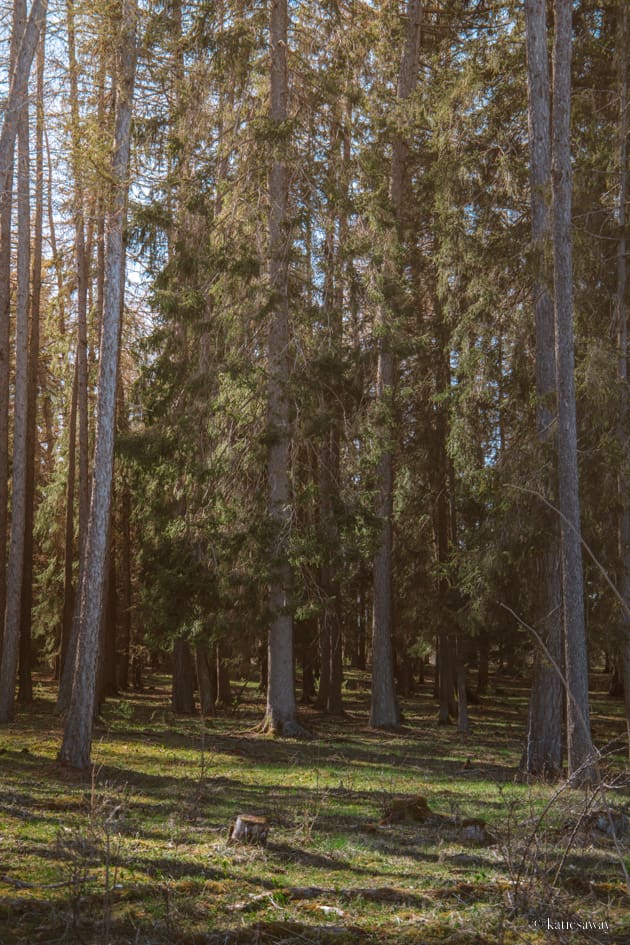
(68, 587)
(543, 750)
(224, 689)
(204, 681)
(463, 723)
(13, 612)
(444, 669)
(323, 691)
(482, 670)
(281, 713)
(183, 699)
(579, 744)
(110, 621)
(126, 603)
(362, 631)
(306, 641)
(263, 662)
(384, 711)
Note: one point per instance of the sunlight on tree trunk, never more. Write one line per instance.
(77, 738)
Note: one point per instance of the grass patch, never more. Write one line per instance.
(138, 852)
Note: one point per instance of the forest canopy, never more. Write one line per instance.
(314, 355)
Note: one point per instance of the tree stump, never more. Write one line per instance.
(400, 809)
(473, 832)
(249, 828)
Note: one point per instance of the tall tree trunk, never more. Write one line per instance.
(109, 629)
(18, 89)
(623, 38)
(579, 745)
(444, 525)
(11, 643)
(25, 689)
(543, 750)
(384, 712)
(281, 711)
(6, 198)
(306, 645)
(207, 693)
(68, 585)
(126, 596)
(77, 738)
(82, 409)
(329, 696)
(483, 656)
(463, 723)
(223, 687)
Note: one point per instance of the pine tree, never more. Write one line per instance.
(579, 745)
(384, 710)
(77, 739)
(543, 751)
(281, 715)
(10, 649)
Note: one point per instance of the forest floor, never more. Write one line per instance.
(138, 852)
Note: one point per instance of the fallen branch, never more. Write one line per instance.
(22, 884)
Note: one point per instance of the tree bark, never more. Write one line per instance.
(82, 409)
(25, 688)
(223, 687)
(68, 586)
(207, 694)
(483, 656)
(384, 711)
(444, 670)
(463, 722)
(579, 745)
(77, 739)
(183, 694)
(6, 198)
(18, 89)
(543, 750)
(126, 597)
(623, 38)
(11, 643)
(281, 713)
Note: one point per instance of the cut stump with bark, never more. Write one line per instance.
(249, 828)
